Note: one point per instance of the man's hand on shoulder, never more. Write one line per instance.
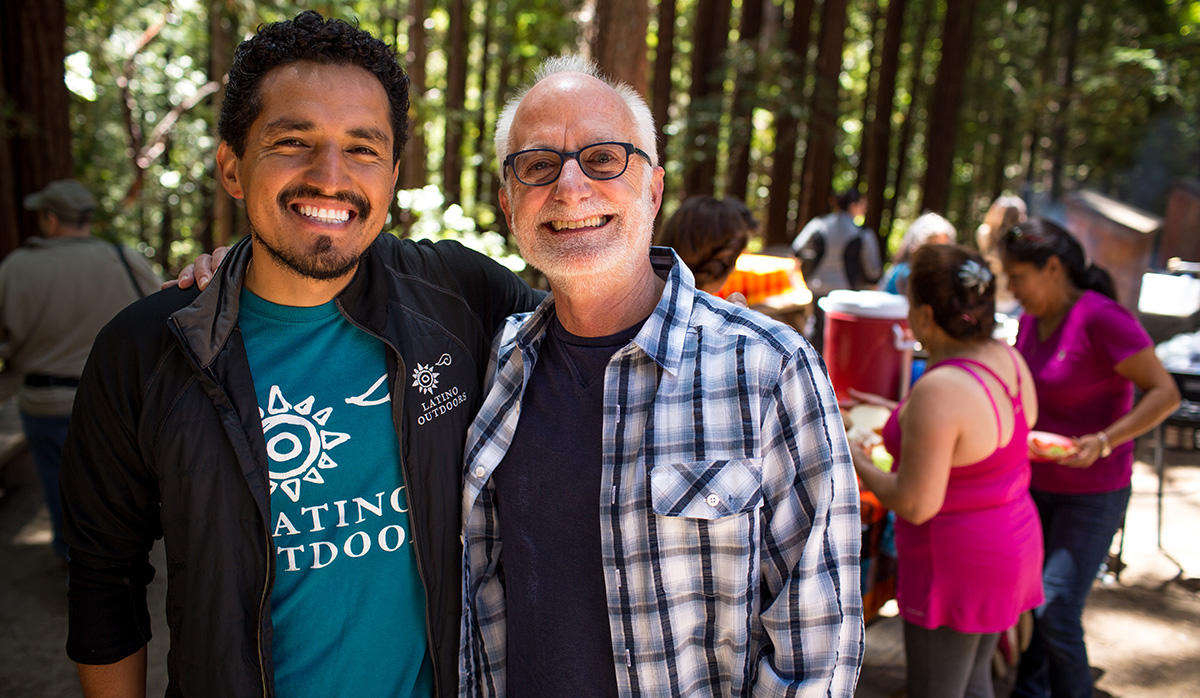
(200, 271)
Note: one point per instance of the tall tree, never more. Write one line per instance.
(880, 134)
(945, 103)
(816, 184)
(1066, 85)
(744, 89)
(663, 58)
(1045, 75)
(456, 97)
(916, 92)
(864, 149)
(413, 169)
(711, 36)
(787, 122)
(222, 26)
(34, 106)
(484, 183)
(619, 42)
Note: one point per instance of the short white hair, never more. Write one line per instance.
(643, 121)
(926, 226)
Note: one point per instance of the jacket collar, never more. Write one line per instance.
(664, 333)
(208, 322)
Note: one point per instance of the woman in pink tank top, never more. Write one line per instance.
(968, 538)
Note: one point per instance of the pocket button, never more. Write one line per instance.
(713, 500)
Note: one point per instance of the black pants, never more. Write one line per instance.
(945, 663)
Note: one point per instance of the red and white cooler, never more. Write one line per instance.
(865, 343)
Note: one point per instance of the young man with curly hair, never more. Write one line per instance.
(294, 432)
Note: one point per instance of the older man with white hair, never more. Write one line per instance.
(658, 492)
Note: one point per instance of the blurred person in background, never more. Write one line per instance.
(835, 253)
(1087, 353)
(708, 234)
(1004, 213)
(56, 292)
(968, 543)
(928, 229)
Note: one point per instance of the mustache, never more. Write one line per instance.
(360, 204)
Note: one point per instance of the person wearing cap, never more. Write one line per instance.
(56, 292)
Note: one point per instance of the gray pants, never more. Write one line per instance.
(945, 663)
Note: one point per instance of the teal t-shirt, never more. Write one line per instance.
(348, 605)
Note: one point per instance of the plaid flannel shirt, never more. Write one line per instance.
(728, 508)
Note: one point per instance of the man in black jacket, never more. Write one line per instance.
(294, 432)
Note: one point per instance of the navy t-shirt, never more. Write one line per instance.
(548, 504)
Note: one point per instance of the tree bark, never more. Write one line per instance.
(1045, 68)
(619, 44)
(945, 103)
(916, 91)
(222, 26)
(741, 124)
(484, 183)
(412, 174)
(880, 134)
(665, 54)
(456, 95)
(32, 49)
(787, 122)
(709, 40)
(816, 184)
(864, 148)
(1066, 86)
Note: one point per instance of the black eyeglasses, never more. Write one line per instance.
(538, 167)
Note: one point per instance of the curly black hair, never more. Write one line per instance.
(308, 37)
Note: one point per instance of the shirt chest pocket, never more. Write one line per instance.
(709, 490)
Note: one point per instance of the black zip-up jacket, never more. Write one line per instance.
(166, 441)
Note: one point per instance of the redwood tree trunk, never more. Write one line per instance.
(707, 90)
(816, 184)
(1066, 85)
(864, 149)
(484, 182)
(744, 88)
(456, 97)
(1045, 68)
(32, 49)
(787, 121)
(880, 135)
(945, 103)
(412, 171)
(222, 27)
(661, 96)
(619, 47)
(916, 91)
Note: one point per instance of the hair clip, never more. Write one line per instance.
(974, 276)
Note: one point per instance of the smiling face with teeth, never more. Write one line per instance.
(316, 174)
(577, 226)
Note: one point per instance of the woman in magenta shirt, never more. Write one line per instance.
(1086, 353)
(968, 541)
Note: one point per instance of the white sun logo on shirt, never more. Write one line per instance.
(297, 444)
(424, 378)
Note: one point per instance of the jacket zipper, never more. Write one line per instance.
(397, 422)
(266, 592)
(262, 603)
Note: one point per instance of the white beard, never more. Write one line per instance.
(590, 259)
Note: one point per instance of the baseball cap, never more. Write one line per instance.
(64, 197)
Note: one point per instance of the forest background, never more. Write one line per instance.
(935, 105)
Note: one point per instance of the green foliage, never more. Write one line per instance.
(1132, 124)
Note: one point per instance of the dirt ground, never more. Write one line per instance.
(1143, 630)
